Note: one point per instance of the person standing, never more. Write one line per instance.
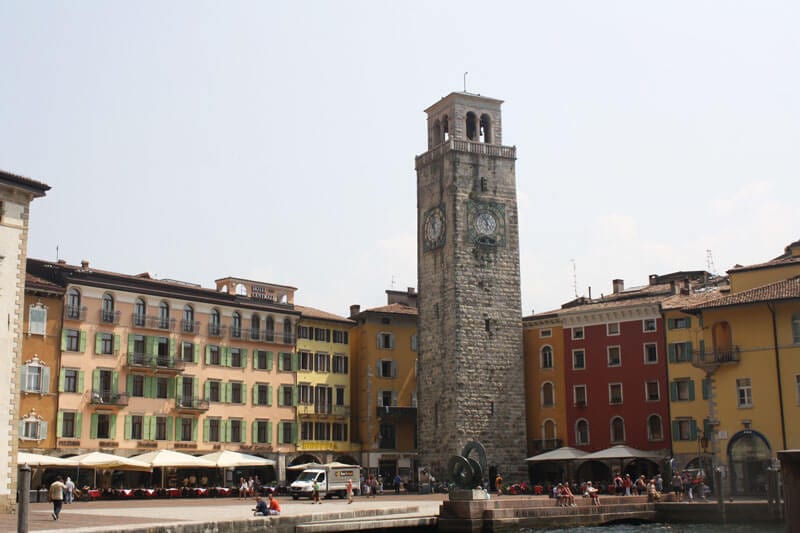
(397, 483)
(56, 495)
(498, 484)
(70, 487)
(374, 487)
(315, 493)
(349, 491)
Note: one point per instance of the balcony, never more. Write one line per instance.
(108, 398)
(216, 330)
(543, 445)
(710, 361)
(109, 317)
(236, 332)
(138, 320)
(191, 405)
(75, 312)
(155, 362)
(158, 322)
(268, 335)
(190, 326)
(387, 413)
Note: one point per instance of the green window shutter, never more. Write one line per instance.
(244, 358)
(688, 350)
(98, 343)
(691, 390)
(116, 344)
(227, 388)
(294, 395)
(178, 386)
(254, 394)
(127, 427)
(672, 358)
(93, 428)
(243, 431)
(207, 389)
(208, 354)
(280, 432)
(226, 424)
(280, 363)
(195, 393)
(96, 379)
(150, 344)
(63, 340)
(269, 432)
(45, 379)
(62, 376)
(670, 323)
(150, 386)
(294, 432)
(226, 356)
(172, 347)
(295, 361)
(23, 378)
(60, 424)
(255, 358)
(129, 384)
(112, 427)
(115, 382)
(169, 428)
(269, 395)
(206, 429)
(83, 342)
(702, 347)
(253, 431)
(706, 388)
(196, 353)
(131, 341)
(676, 432)
(194, 429)
(693, 430)
(78, 420)
(80, 381)
(269, 361)
(280, 396)
(673, 391)
(170, 388)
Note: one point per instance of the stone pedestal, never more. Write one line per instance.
(466, 495)
(790, 472)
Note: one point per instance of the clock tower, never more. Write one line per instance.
(471, 373)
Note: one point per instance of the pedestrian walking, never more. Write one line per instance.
(397, 483)
(315, 493)
(56, 495)
(70, 487)
(349, 491)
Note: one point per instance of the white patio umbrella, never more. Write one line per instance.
(565, 453)
(303, 466)
(230, 459)
(164, 458)
(107, 461)
(620, 451)
(36, 459)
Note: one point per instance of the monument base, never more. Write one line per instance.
(468, 495)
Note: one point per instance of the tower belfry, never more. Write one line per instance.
(470, 383)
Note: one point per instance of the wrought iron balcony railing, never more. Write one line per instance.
(191, 404)
(156, 362)
(107, 397)
(717, 356)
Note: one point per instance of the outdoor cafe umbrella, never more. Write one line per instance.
(230, 459)
(623, 453)
(107, 461)
(303, 466)
(165, 458)
(565, 454)
(35, 459)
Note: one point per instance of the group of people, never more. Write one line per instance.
(59, 493)
(247, 486)
(682, 483)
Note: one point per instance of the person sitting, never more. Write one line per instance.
(594, 494)
(567, 496)
(557, 495)
(274, 506)
(652, 493)
(261, 508)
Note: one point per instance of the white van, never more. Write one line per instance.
(332, 481)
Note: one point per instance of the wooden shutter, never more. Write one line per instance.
(673, 391)
(60, 424)
(82, 347)
(93, 428)
(128, 423)
(116, 344)
(45, 388)
(691, 390)
(98, 343)
(206, 429)
(269, 395)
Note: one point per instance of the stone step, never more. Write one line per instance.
(498, 514)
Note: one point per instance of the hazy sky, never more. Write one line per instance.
(276, 140)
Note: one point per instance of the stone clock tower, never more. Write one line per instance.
(471, 371)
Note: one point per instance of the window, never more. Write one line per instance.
(162, 351)
(545, 333)
(255, 327)
(37, 319)
(615, 393)
(287, 432)
(236, 429)
(105, 343)
(137, 386)
(305, 394)
(103, 426)
(650, 353)
(287, 362)
(744, 392)
(684, 429)
(136, 426)
(652, 392)
(387, 398)
(387, 368)
(339, 431)
(188, 319)
(32, 427)
(578, 359)
(679, 323)
(304, 332)
(269, 329)
(262, 432)
(73, 304)
(68, 423)
(213, 355)
(187, 352)
(322, 334)
(214, 323)
(237, 392)
(161, 428)
(213, 393)
(414, 343)
(236, 325)
(287, 331)
(162, 387)
(796, 328)
(163, 315)
(263, 394)
(339, 396)
(262, 360)
(236, 358)
(322, 362)
(579, 395)
(186, 429)
(139, 312)
(386, 341)
(682, 390)
(212, 429)
(107, 312)
(655, 430)
(612, 329)
(546, 357)
(35, 376)
(70, 380)
(617, 429)
(577, 333)
(340, 364)
(73, 340)
(387, 437)
(340, 337)
(306, 361)
(548, 395)
(680, 352)
(797, 387)
(286, 395)
(614, 356)
(581, 432)
(322, 431)
(649, 325)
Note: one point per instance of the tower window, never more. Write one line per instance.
(486, 130)
(484, 184)
(472, 126)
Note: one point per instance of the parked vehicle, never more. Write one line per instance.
(332, 481)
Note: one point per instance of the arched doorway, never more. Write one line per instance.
(640, 466)
(749, 456)
(595, 471)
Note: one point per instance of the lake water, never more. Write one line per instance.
(672, 528)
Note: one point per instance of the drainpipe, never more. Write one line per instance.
(771, 308)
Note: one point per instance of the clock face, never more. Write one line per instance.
(485, 223)
(434, 228)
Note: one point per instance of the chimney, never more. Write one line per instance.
(618, 285)
(84, 264)
(653, 279)
(354, 310)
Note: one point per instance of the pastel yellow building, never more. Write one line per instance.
(384, 346)
(323, 388)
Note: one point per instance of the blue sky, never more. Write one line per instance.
(276, 140)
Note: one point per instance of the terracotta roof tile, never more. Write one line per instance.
(777, 262)
(35, 282)
(788, 289)
(310, 312)
(397, 309)
(25, 182)
(698, 296)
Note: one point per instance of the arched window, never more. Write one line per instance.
(549, 432)
(546, 358)
(472, 126)
(548, 394)
(655, 430)
(236, 325)
(445, 128)
(617, 429)
(796, 328)
(213, 322)
(269, 329)
(139, 312)
(107, 313)
(437, 133)
(582, 432)
(486, 129)
(287, 331)
(163, 315)
(188, 319)
(255, 327)
(74, 304)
